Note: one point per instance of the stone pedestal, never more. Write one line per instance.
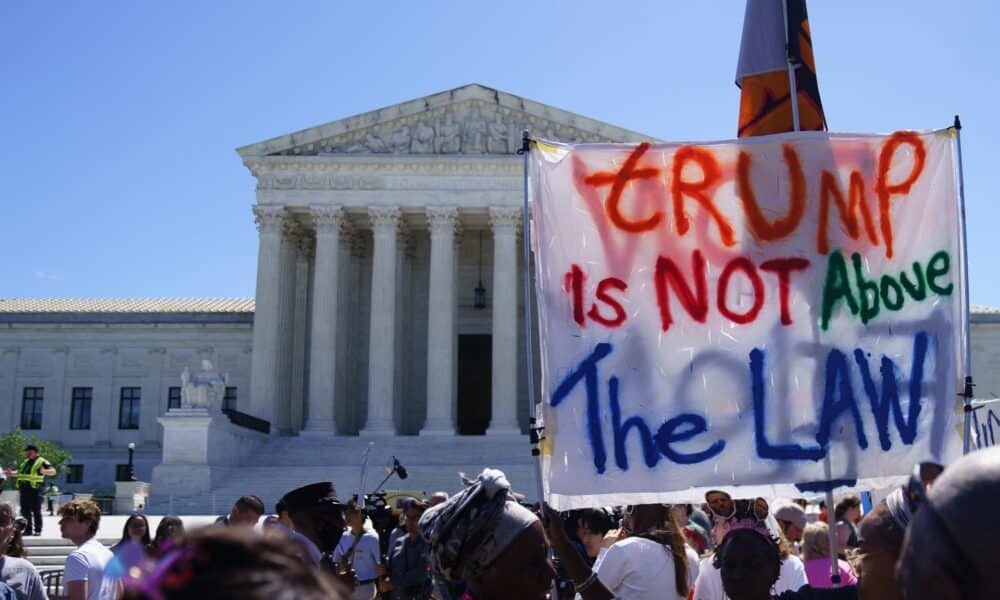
(130, 496)
(198, 445)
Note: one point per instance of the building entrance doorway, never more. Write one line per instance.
(475, 368)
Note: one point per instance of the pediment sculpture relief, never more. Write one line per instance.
(471, 128)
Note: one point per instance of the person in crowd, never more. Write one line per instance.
(408, 560)
(136, 529)
(282, 523)
(169, 533)
(816, 558)
(791, 519)
(880, 540)
(791, 571)
(232, 564)
(358, 550)
(318, 514)
(484, 537)
(437, 498)
(651, 562)
(749, 561)
(950, 550)
(83, 574)
(697, 538)
(591, 527)
(399, 516)
(848, 510)
(16, 572)
(30, 482)
(247, 510)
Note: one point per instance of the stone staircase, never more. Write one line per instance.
(433, 463)
(50, 554)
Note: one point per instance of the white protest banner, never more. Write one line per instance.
(766, 315)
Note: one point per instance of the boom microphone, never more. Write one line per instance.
(400, 469)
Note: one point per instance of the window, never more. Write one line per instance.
(173, 397)
(229, 400)
(128, 408)
(74, 473)
(79, 415)
(31, 408)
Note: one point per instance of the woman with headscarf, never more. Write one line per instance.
(483, 537)
(749, 561)
(652, 562)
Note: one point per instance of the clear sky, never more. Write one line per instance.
(120, 119)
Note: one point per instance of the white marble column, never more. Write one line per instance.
(300, 330)
(266, 324)
(153, 397)
(323, 346)
(504, 220)
(291, 232)
(442, 221)
(385, 222)
(58, 418)
(10, 356)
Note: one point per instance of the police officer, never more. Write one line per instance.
(31, 475)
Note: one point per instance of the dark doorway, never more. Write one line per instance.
(475, 366)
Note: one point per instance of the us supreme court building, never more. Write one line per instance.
(389, 308)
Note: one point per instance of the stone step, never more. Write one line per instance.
(48, 553)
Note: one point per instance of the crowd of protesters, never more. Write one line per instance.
(934, 537)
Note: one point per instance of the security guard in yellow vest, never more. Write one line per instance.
(31, 475)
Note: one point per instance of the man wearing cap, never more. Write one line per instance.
(792, 520)
(317, 514)
(30, 476)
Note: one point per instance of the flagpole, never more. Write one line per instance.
(793, 95)
(966, 352)
(793, 87)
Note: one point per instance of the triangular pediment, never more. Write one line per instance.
(470, 120)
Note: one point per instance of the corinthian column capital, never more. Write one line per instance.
(328, 219)
(503, 218)
(442, 219)
(385, 219)
(269, 219)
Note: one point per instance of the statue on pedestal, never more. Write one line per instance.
(205, 389)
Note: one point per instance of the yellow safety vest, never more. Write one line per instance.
(33, 477)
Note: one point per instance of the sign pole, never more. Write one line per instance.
(529, 355)
(967, 392)
(793, 95)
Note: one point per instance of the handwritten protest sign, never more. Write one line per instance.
(764, 315)
(985, 425)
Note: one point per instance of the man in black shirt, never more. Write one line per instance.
(31, 475)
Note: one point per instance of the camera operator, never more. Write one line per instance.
(359, 550)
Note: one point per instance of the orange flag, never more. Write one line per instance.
(762, 72)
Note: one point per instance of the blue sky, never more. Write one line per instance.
(120, 119)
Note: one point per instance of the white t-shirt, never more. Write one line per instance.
(366, 554)
(87, 563)
(22, 577)
(708, 586)
(640, 569)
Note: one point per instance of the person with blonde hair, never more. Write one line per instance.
(816, 557)
(84, 570)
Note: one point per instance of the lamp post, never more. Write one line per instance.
(131, 452)
(479, 299)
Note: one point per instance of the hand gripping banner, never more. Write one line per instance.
(766, 315)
